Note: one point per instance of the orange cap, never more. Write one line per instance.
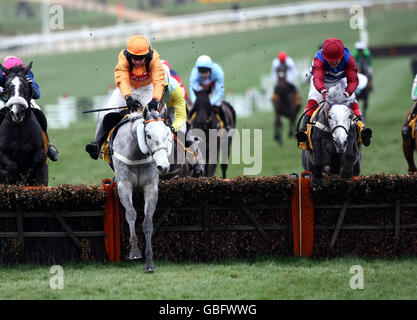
(138, 45)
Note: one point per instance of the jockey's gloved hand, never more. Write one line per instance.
(131, 104)
(324, 93)
(153, 104)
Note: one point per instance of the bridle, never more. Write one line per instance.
(160, 148)
(326, 113)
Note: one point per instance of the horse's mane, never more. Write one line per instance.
(336, 96)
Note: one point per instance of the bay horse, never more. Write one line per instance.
(284, 103)
(206, 119)
(334, 137)
(409, 143)
(23, 156)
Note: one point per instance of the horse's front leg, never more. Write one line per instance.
(125, 190)
(150, 193)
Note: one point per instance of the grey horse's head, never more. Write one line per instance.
(157, 138)
(339, 116)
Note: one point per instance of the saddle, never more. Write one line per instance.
(315, 123)
(106, 147)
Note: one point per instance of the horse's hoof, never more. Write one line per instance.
(135, 255)
(149, 268)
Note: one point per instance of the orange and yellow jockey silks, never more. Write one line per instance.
(139, 77)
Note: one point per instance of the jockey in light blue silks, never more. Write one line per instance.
(208, 75)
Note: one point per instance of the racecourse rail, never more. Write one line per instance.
(212, 219)
(224, 21)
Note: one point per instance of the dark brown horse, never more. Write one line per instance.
(409, 144)
(284, 103)
(205, 117)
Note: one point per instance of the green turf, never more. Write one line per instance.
(262, 278)
(245, 57)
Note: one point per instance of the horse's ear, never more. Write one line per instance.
(145, 112)
(195, 91)
(5, 70)
(27, 69)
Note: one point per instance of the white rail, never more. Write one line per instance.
(189, 25)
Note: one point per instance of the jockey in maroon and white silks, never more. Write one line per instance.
(332, 65)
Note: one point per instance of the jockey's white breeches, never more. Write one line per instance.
(142, 94)
(313, 94)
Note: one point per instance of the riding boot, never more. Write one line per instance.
(93, 148)
(406, 130)
(301, 134)
(365, 133)
(52, 149)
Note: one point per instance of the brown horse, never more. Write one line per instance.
(284, 103)
(206, 117)
(409, 144)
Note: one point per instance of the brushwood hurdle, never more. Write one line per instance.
(210, 219)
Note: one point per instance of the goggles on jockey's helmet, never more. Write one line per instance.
(138, 46)
(333, 49)
(204, 61)
(203, 69)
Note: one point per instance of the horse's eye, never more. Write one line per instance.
(330, 118)
(148, 136)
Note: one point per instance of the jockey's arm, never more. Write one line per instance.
(121, 75)
(218, 95)
(194, 84)
(35, 86)
(351, 76)
(414, 89)
(319, 70)
(292, 70)
(177, 102)
(275, 64)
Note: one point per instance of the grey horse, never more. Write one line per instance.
(334, 136)
(140, 154)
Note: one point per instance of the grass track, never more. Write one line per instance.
(262, 278)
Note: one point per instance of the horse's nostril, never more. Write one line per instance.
(159, 168)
